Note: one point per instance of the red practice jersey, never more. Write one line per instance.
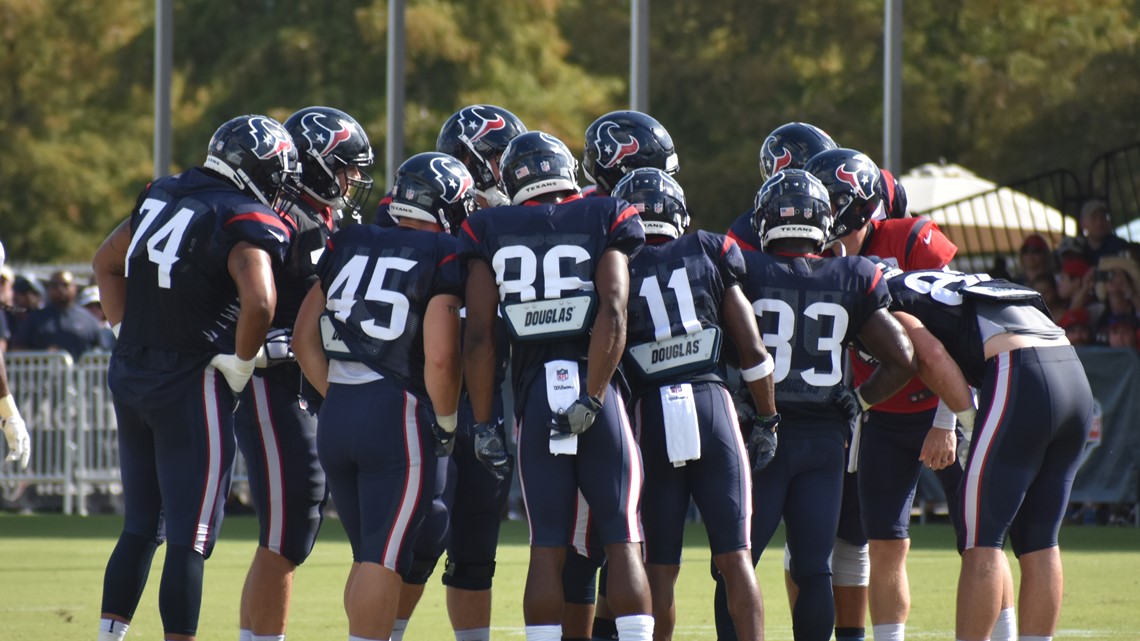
(916, 243)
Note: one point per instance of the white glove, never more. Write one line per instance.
(236, 370)
(15, 432)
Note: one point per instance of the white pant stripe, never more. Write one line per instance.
(213, 460)
(275, 480)
(412, 485)
(972, 498)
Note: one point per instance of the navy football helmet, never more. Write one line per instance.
(477, 135)
(434, 188)
(622, 141)
(536, 163)
(658, 199)
(894, 196)
(852, 181)
(791, 145)
(792, 204)
(257, 155)
(329, 142)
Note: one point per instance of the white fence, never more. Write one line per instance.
(71, 420)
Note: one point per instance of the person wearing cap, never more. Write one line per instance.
(27, 295)
(1099, 239)
(1075, 322)
(1117, 278)
(89, 300)
(1036, 259)
(1075, 282)
(60, 325)
(1122, 331)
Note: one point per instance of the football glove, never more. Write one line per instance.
(577, 418)
(844, 399)
(762, 441)
(491, 449)
(443, 429)
(277, 349)
(15, 432)
(742, 401)
(963, 449)
(237, 371)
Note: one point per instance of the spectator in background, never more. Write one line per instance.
(1099, 239)
(1036, 259)
(1046, 285)
(1075, 282)
(27, 296)
(61, 325)
(89, 300)
(1122, 331)
(1077, 326)
(6, 279)
(1117, 279)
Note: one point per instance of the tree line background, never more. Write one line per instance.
(1007, 89)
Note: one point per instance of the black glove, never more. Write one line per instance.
(444, 440)
(843, 399)
(742, 401)
(577, 418)
(491, 449)
(762, 441)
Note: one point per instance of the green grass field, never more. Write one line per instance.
(51, 573)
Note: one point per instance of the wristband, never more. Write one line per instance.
(944, 418)
(448, 422)
(115, 329)
(758, 371)
(8, 407)
(862, 403)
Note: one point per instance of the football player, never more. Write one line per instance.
(686, 291)
(187, 283)
(11, 423)
(904, 432)
(808, 308)
(558, 264)
(1033, 419)
(276, 421)
(789, 146)
(476, 135)
(379, 337)
(616, 144)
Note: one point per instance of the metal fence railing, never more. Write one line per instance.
(71, 420)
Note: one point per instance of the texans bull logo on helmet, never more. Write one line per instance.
(476, 124)
(453, 178)
(269, 138)
(862, 180)
(322, 137)
(610, 149)
(775, 162)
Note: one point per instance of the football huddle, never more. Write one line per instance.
(494, 318)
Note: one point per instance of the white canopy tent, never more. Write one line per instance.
(977, 214)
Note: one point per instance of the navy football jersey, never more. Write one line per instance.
(808, 309)
(180, 296)
(743, 233)
(952, 305)
(547, 252)
(675, 294)
(378, 282)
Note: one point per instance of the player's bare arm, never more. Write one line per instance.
(607, 339)
(443, 364)
(252, 272)
(740, 323)
(307, 340)
(886, 340)
(110, 266)
(479, 338)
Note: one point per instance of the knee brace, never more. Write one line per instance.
(468, 576)
(420, 570)
(850, 564)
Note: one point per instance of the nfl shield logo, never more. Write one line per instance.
(562, 374)
(658, 208)
(675, 389)
(544, 165)
(409, 194)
